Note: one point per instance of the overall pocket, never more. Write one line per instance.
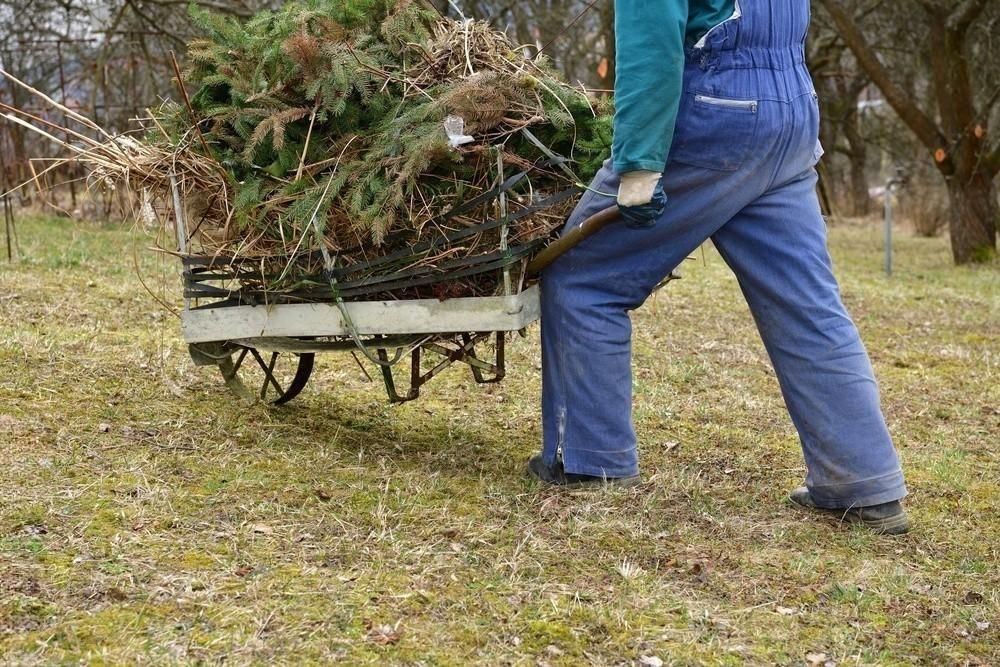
(714, 132)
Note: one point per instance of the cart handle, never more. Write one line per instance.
(571, 239)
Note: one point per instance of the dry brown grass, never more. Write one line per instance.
(146, 516)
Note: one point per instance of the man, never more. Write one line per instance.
(716, 131)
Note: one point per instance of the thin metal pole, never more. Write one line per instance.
(896, 182)
(888, 228)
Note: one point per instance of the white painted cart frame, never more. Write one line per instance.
(229, 335)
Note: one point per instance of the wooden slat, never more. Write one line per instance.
(423, 316)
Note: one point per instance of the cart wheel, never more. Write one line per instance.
(275, 378)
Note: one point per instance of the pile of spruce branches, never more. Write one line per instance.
(313, 154)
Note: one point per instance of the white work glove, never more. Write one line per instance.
(641, 198)
(637, 187)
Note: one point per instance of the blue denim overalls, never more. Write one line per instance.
(741, 172)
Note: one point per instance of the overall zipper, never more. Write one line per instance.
(748, 105)
(737, 14)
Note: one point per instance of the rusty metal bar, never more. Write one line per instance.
(464, 353)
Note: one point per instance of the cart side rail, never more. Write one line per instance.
(418, 316)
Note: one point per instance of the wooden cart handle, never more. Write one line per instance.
(571, 239)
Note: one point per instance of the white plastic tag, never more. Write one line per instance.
(454, 127)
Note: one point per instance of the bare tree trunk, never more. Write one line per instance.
(973, 218)
(857, 156)
(860, 201)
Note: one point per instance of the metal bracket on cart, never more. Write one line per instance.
(462, 350)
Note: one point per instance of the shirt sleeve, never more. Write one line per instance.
(649, 74)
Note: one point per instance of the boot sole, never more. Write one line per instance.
(897, 524)
(597, 484)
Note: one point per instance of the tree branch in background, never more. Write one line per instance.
(922, 126)
(964, 14)
(156, 26)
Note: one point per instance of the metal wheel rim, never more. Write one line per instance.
(231, 365)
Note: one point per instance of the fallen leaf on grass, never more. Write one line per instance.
(972, 597)
(243, 570)
(323, 495)
(699, 569)
(650, 661)
(383, 635)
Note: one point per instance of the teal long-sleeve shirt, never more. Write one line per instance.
(650, 38)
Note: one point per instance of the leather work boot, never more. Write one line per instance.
(885, 519)
(557, 476)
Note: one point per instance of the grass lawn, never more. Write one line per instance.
(148, 516)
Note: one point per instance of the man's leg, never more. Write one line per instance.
(586, 330)
(777, 248)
